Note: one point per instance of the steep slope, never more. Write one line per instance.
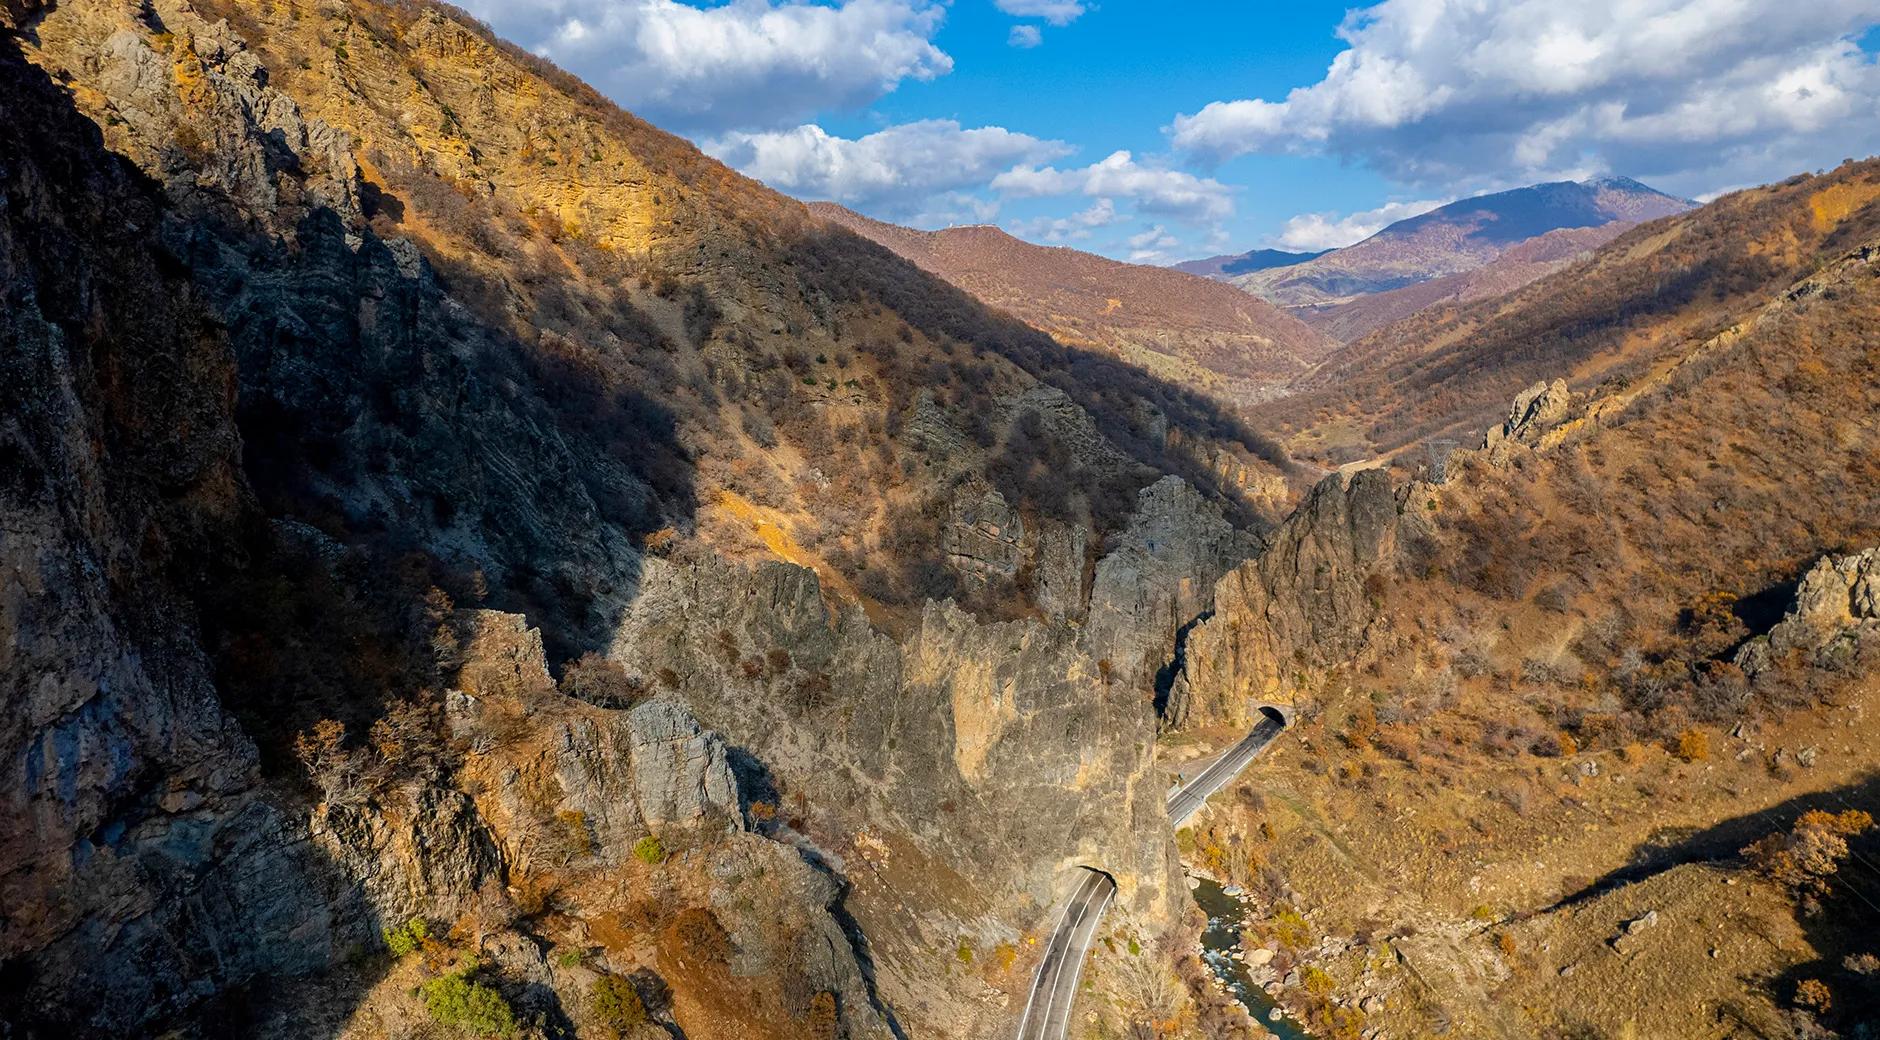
(1230, 264)
(1535, 258)
(484, 511)
(1182, 328)
(1459, 237)
(1545, 702)
(1446, 374)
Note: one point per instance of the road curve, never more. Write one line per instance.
(1054, 987)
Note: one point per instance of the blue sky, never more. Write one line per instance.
(1160, 132)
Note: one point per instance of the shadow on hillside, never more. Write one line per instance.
(1844, 930)
(1112, 391)
(1723, 841)
(182, 877)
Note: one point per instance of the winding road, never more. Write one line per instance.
(1054, 987)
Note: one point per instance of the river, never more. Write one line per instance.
(1226, 918)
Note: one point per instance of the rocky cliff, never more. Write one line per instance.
(1300, 607)
(347, 429)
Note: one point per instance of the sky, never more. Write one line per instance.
(1158, 132)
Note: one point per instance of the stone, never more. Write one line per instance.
(1836, 608)
(681, 774)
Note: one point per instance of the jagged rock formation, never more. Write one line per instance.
(136, 851)
(1837, 606)
(1535, 410)
(1302, 604)
(928, 764)
(1158, 577)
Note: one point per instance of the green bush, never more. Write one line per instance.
(454, 1000)
(649, 850)
(617, 1003)
(407, 937)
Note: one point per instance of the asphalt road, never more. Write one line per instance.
(1054, 988)
(1188, 799)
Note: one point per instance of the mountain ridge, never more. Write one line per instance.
(1455, 238)
(1188, 328)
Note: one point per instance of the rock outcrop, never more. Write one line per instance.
(1535, 410)
(1159, 576)
(1303, 601)
(1836, 609)
(138, 854)
(986, 760)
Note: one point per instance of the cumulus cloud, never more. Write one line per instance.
(1025, 36)
(1152, 245)
(895, 172)
(749, 64)
(1153, 189)
(1057, 12)
(1311, 232)
(1437, 91)
(1074, 228)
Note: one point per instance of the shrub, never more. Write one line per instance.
(1808, 852)
(1813, 994)
(1693, 745)
(649, 851)
(697, 934)
(824, 1021)
(406, 938)
(1317, 981)
(455, 1000)
(617, 1003)
(597, 680)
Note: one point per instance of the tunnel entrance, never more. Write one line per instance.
(1278, 715)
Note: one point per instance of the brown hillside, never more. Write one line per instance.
(1534, 258)
(674, 313)
(1564, 719)
(1450, 372)
(1184, 328)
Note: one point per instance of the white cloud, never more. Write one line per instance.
(896, 171)
(1074, 228)
(1445, 91)
(749, 64)
(1026, 36)
(1153, 189)
(1057, 12)
(1151, 246)
(1311, 232)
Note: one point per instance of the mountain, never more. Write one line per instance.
(1519, 265)
(477, 565)
(1227, 265)
(1186, 329)
(1454, 239)
(1579, 692)
(1448, 372)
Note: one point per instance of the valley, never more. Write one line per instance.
(474, 565)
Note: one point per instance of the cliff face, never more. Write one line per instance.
(136, 853)
(1302, 606)
(345, 428)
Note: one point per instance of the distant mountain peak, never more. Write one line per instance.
(1459, 237)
